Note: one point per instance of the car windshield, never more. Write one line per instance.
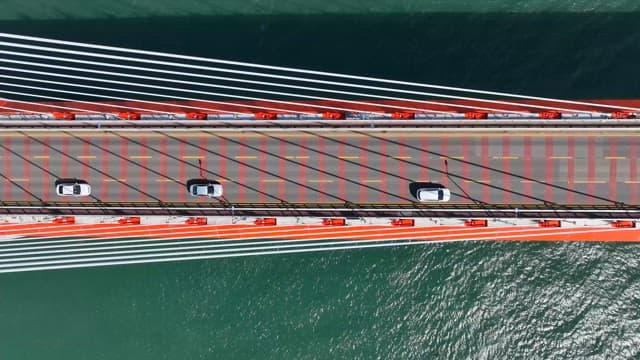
(440, 194)
(210, 189)
(76, 189)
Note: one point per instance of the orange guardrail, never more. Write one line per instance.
(476, 223)
(550, 223)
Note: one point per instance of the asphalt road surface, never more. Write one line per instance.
(324, 166)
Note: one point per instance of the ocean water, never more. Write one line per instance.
(441, 301)
(465, 300)
(577, 49)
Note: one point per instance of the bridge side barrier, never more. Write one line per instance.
(550, 223)
(623, 224)
(131, 220)
(196, 221)
(64, 220)
(323, 210)
(266, 221)
(334, 222)
(327, 116)
(403, 222)
(476, 223)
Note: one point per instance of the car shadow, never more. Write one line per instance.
(416, 185)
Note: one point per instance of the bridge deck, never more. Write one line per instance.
(350, 166)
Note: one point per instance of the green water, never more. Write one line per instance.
(567, 54)
(463, 300)
(440, 301)
(75, 9)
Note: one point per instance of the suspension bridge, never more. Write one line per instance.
(333, 153)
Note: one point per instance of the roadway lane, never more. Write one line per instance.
(312, 166)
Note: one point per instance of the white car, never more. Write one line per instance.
(72, 187)
(433, 192)
(204, 187)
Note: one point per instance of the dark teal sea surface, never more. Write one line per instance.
(465, 300)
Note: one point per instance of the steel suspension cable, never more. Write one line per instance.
(308, 88)
(184, 57)
(289, 69)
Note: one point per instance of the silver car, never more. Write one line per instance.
(434, 192)
(204, 187)
(72, 187)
